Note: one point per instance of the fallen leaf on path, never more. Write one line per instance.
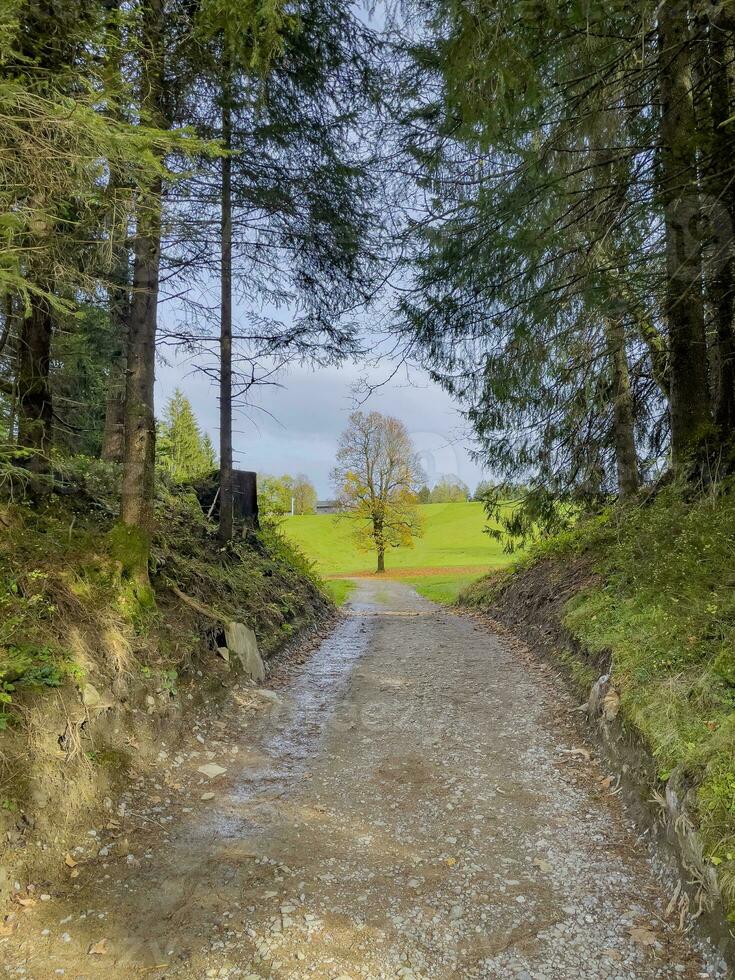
(543, 865)
(451, 862)
(99, 948)
(74, 873)
(27, 903)
(607, 782)
(612, 954)
(69, 861)
(642, 935)
(8, 927)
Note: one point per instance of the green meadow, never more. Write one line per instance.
(453, 550)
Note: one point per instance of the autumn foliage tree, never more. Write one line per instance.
(377, 478)
(278, 495)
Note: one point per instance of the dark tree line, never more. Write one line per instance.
(548, 186)
(571, 259)
(161, 149)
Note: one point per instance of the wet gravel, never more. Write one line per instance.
(409, 803)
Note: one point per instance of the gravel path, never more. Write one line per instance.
(408, 804)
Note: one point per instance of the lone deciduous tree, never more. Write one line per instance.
(377, 477)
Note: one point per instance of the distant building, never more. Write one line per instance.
(327, 507)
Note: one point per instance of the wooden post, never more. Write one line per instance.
(245, 497)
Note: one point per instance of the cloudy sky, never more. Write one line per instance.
(294, 428)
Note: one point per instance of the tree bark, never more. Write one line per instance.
(113, 436)
(136, 510)
(140, 430)
(35, 410)
(225, 392)
(683, 304)
(721, 215)
(626, 458)
(381, 561)
(118, 289)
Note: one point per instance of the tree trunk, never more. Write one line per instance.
(721, 219)
(118, 290)
(225, 390)
(136, 510)
(35, 411)
(140, 430)
(626, 458)
(113, 436)
(683, 305)
(381, 560)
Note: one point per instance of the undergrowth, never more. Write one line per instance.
(665, 611)
(68, 611)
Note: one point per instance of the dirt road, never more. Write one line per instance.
(408, 807)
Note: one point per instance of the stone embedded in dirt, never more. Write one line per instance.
(241, 641)
(211, 770)
(91, 697)
(265, 694)
(206, 797)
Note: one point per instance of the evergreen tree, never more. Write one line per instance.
(182, 450)
(571, 279)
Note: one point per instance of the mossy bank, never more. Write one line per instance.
(637, 605)
(92, 671)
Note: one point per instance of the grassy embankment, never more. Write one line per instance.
(452, 552)
(74, 636)
(661, 606)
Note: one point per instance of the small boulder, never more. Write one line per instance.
(91, 697)
(242, 642)
(211, 770)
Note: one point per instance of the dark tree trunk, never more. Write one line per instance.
(720, 207)
(140, 430)
(225, 390)
(118, 291)
(379, 542)
(626, 458)
(136, 509)
(113, 436)
(35, 411)
(689, 386)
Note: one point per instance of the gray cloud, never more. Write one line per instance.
(295, 427)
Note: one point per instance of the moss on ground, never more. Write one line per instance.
(662, 606)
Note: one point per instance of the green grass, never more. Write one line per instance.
(453, 538)
(440, 588)
(339, 589)
(665, 610)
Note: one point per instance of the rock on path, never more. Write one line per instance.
(405, 807)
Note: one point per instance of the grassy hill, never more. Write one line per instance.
(646, 594)
(452, 551)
